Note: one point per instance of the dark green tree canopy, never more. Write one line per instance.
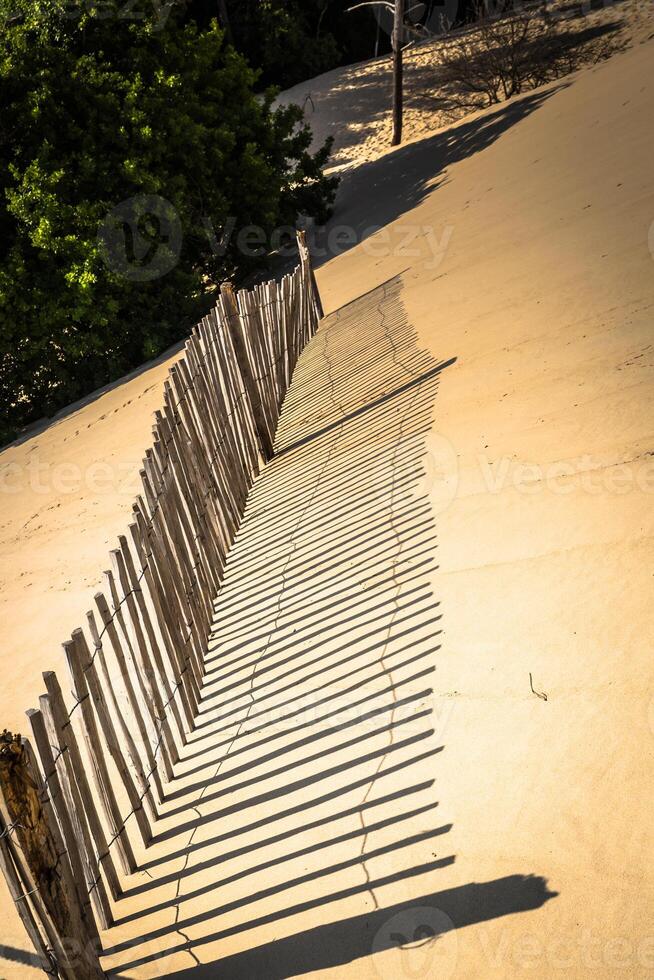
(127, 149)
(292, 40)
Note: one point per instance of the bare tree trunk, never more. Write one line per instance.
(398, 71)
(223, 17)
(321, 17)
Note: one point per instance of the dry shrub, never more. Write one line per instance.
(516, 49)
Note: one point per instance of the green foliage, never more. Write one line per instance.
(97, 110)
(292, 40)
(280, 38)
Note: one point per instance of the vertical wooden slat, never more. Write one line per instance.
(167, 627)
(60, 819)
(120, 616)
(174, 572)
(189, 466)
(96, 753)
(81, 799)
(92, 669)
(305, 260)
(252, 327)
(141, 658)
(135, 703)
(106, 682)
(234, 387)
(247, 370)
(72, 801)
(223, 454)
(228, 420)
(22, 903)
(134, 581)
(273, 300)
(184, 549)
(169, 464)
(175, 611)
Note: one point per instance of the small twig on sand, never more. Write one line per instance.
(543, 697)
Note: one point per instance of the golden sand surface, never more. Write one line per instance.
(429, 707)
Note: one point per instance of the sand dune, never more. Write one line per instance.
(351, 104)
(545, 295)
(515, 247)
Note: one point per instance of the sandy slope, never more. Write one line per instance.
(545, 296)
(522, 240)
(351, 104)
(66, 493)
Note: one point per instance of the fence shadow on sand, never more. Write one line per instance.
(303, 816)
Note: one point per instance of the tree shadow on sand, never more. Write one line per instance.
(396, 183)
(425, 919)
(353, 103)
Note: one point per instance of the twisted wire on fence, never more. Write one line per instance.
(236, 368)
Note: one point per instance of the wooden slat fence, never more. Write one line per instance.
(77, 798)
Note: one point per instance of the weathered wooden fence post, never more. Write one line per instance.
(307, 266)
(22, 903)
(44, 865)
